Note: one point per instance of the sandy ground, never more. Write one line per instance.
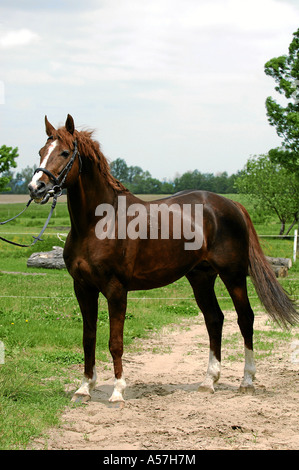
(164, 410)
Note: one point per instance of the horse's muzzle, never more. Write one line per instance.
(39, 192)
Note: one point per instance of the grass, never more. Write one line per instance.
(265, 343)
(41, 325)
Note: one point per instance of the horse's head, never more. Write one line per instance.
(57, 162)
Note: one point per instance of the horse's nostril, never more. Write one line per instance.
(41, 186)
(38, 188)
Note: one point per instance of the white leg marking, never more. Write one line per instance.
(86, 387)
(43, 164)
(249, 371)
(213, 374)
(119, 387)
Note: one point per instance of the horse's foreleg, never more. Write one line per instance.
(117, 304)
(88, 301)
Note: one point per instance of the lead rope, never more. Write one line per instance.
(38, 238)
(26, 207)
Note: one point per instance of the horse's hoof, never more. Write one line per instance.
(80, 398)
(247, 389)
(116, 398)
(204, 388)
(116, 404)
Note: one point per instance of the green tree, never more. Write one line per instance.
(285, 117)
(120, 170)
(7, 161)
(19, 182)
(141, 182)
(273, 189)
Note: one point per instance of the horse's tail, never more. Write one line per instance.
(277, 303)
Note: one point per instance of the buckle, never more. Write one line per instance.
(55, 191)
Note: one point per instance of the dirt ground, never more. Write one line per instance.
(20, 198)
(164, 410)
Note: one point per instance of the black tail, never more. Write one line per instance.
(277, 303)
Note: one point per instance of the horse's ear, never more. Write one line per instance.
(50, 130)
(69, 124)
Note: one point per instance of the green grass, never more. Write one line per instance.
(41, 325)
(265, 343)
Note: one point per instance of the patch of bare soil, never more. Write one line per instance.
(19, 198)
(165, 411)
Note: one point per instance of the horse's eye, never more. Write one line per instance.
(65, 153)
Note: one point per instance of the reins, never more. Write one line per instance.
(55, 192)
(38, 238)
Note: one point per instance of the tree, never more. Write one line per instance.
(7, 161)
(19, 182)
(285, 71)
(120, 170)
(141, 182)
(273, 189)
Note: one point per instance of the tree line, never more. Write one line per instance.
(273, 189)
(139, 181)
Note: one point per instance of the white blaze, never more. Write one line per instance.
(43, 164)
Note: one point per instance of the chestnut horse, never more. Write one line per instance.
(114, 265)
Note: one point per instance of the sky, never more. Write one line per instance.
(168, 85)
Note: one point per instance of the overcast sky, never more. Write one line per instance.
(169, 85)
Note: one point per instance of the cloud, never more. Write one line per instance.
(21, 37)
(176, 40)
(170, 77)
(256, 15)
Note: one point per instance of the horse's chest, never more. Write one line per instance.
(79, 268)
(85, 271)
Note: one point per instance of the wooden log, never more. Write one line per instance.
(280, 271)
(47, 259)
(287, 262)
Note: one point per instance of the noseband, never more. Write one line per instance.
(59, 182)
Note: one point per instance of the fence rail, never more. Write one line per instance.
(295, 236)
(59, 235)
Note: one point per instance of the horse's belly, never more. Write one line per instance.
(162, 267)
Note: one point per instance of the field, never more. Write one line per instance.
(41, 328)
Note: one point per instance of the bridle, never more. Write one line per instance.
(57, 188)
(55, 192)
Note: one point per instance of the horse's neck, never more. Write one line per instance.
(85, 195)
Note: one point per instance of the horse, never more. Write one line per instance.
(102, 258)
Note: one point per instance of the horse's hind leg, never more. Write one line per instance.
(237, 288)
(202, 283)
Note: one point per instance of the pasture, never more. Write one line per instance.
(41, 326)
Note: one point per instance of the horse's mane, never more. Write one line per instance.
(90, 148)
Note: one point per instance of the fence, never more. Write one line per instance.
(295, 236)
